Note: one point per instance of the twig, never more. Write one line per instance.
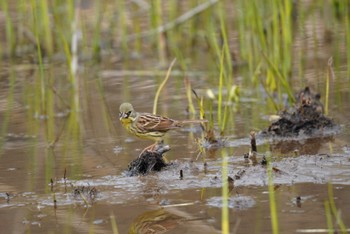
(51, 184)
(253, 142)
(7, 197)
(147, 73)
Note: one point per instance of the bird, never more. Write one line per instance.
(149, 126)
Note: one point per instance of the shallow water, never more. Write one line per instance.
(162, 200)
(89, 186)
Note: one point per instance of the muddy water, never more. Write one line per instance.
(89, 191)
(94, 171)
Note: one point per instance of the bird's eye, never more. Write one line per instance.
(128, 114)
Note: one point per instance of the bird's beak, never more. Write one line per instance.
(122, 115)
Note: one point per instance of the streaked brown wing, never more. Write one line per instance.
(149, 122)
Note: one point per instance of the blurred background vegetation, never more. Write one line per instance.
(268, 39)
(57, 55)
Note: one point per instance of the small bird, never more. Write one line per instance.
(149, 126)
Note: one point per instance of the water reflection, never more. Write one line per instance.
(310, 146)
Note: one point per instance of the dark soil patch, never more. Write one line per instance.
(306, 117)
(148, 161)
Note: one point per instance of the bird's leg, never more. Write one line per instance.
(148, 148)
(152, 147)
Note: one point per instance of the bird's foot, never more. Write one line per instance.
(155, 148)
(150, 148)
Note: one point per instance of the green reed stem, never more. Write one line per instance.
(328, 213)
(327, 94)
(156, 18)
(272, 198)
(225, 222)
(226, 48)
(45, 20)
(39, 54)
(50, 109)
(161, 86)
(114, 224)
(221, 81)
(74, 61)
(191, 108)
(122, 25)
(10, 35)
(7, 114)
(137, 27)
(281, 77)
(200, 102)
(334, 210)
(345, 7)
(97, 32)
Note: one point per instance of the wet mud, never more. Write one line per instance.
(148, 161)
(306, 117)
(319, 169)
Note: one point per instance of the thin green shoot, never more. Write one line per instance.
(74, 61)
(44, 18)
(329, 78)
(122, 25)
(161, 86)
(275, 105)
(281, 77)
(10, 35)
(334, 210)
(10, 102)
(226, 49)
(114, 224)
(200, 102)
(40, 59)
(191, 108)
(225, 222)
(156, 19)
(220, 93)
(345, 7)
(97, 32)
(327, 95)
(328, 213)
(272, 198)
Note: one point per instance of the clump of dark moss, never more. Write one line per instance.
(306, 117)
(148, 161)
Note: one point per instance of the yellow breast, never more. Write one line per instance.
(126, 123)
